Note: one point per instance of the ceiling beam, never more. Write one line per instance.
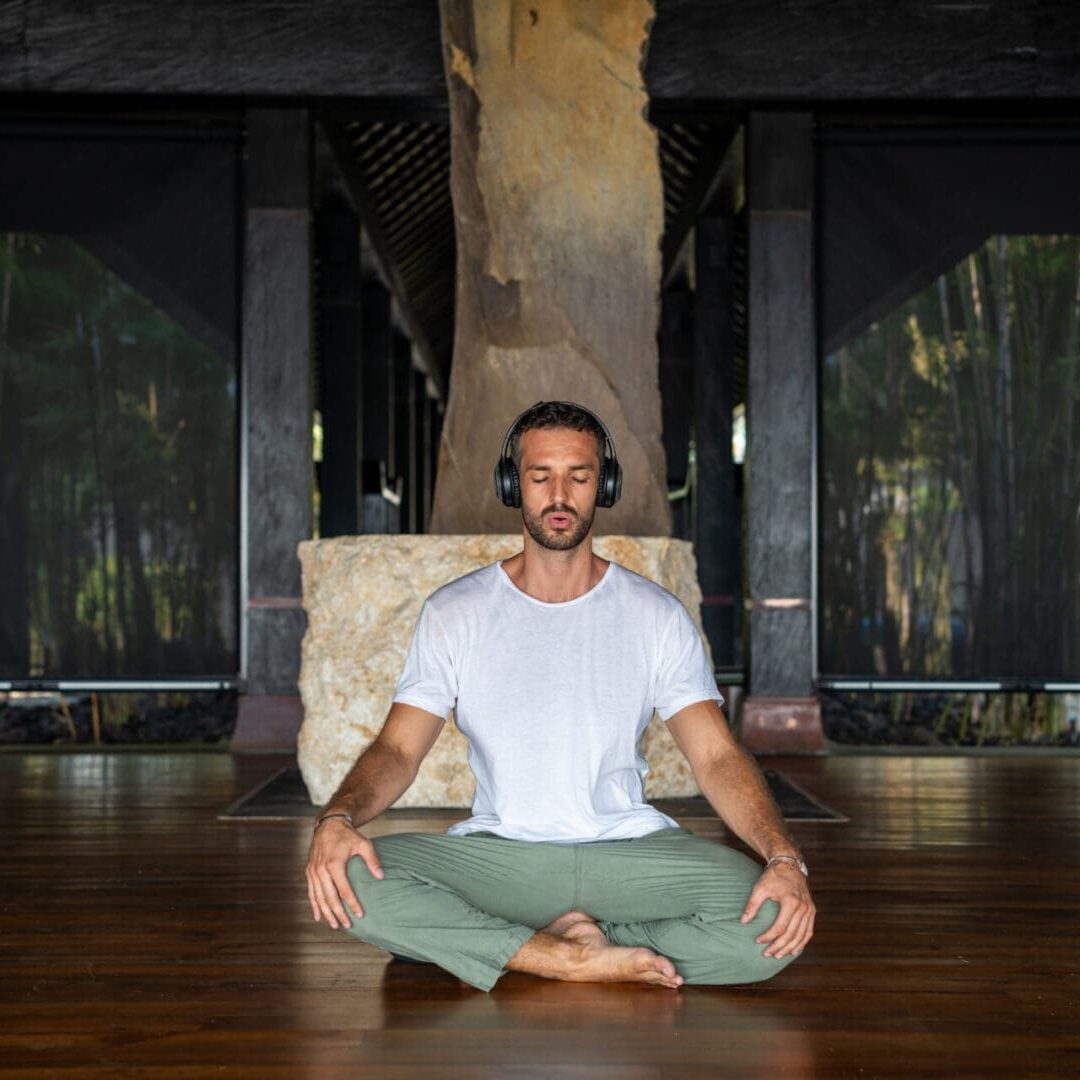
(701, 51)
(713, 163)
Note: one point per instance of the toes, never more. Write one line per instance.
(665, 967)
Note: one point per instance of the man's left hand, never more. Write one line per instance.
(794, 926)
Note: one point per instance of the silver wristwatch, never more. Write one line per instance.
(791, 859)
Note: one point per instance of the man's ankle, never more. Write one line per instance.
(549, 956)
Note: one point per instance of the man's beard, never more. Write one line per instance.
(558, 541)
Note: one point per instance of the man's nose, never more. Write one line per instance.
(559, 489)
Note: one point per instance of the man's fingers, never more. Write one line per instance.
(312, 900)
(786, 942)
(371, 859)
(344, 887)
(329, 888)
(325, 905)
(808, 932)
(330, 893)
(780, 924)
(757, 898)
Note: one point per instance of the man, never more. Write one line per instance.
(554, 661)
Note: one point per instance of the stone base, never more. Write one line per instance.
(362, 595)
(777, 725)
(267, 722)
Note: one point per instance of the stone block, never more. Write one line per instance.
(362, 595)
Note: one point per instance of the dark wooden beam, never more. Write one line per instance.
(316, 48)
(402, 461)
(717, 511)
(701, 50)
(676, 349)
(337, 238)
(780, 405)
(276, 488)
(834, 50)
(781, 715)
(377, 358)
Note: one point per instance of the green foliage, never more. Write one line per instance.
(128, 461)
(950, 487)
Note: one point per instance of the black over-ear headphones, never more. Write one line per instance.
(609, 483)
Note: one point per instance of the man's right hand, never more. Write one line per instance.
(334, 843)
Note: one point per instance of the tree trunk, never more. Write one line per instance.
(558, 209)
(964, 478)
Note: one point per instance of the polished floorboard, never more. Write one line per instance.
(142, 937)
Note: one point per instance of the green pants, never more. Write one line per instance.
(468, 903)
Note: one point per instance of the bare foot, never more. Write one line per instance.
(576, 926)
(614, 963)
(554, 957)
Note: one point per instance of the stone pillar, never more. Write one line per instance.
(558, 208)
(781, 715)
(277, 474)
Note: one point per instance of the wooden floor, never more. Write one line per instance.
(140, 936)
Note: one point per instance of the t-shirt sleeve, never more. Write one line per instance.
(429, 678)
(684, 675)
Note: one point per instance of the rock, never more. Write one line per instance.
(362, 595)
(558, 210)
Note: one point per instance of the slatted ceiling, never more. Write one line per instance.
(680, 147)
(405, 171)
(404, 167)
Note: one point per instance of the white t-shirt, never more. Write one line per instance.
(554, 697)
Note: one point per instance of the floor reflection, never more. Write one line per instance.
(657, 1026)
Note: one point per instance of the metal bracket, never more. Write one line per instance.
(691, 476)
(391, 494)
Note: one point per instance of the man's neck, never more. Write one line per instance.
(555, 576)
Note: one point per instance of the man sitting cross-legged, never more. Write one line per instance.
(553, 662)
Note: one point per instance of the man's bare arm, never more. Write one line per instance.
(735, 788)
(379, 777)
(730, 779)
(384, 771)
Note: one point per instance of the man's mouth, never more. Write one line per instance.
(559, 520)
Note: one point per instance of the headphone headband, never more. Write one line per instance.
(517, 420)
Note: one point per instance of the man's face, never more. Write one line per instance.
(559, 472)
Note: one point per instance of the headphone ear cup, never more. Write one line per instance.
(515, 483)
(507, 483)
(610, 481)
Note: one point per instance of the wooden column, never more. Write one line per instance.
(277, 473)
(338, 248)
(676, 345)
(781, 714)
(400, 457)
(717, 513)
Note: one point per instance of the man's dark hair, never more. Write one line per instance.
(556, 414)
